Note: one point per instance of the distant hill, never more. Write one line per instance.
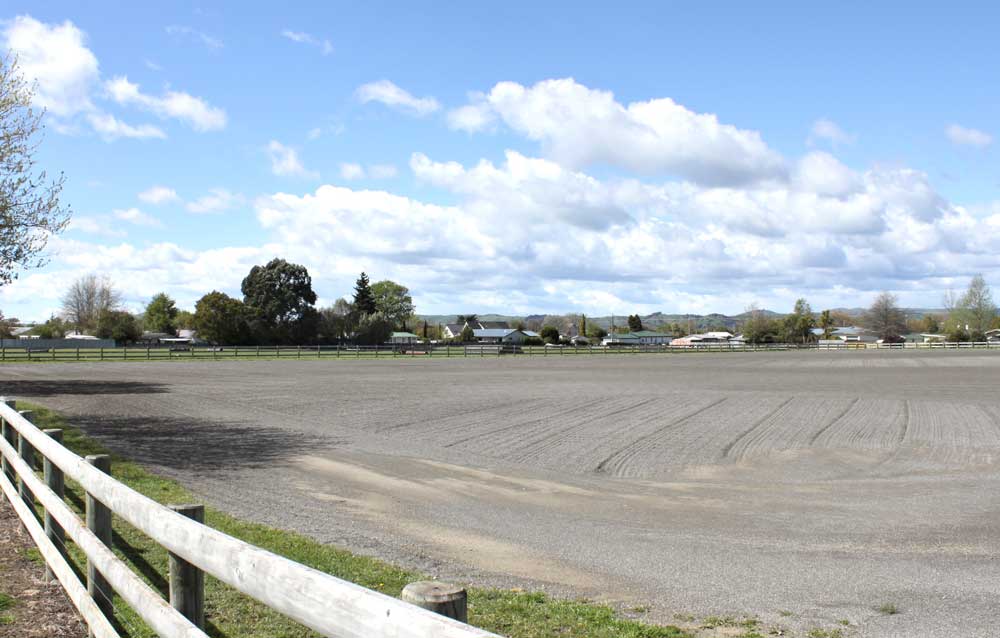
(694, 321)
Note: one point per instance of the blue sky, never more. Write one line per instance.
(644, 156)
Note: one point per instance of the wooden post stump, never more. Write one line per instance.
(441, 598)
(55, 481)
(99, 522)
(187, 582)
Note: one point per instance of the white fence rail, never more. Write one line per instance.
(324, 603)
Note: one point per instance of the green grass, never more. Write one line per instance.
(889, 609)
(231, 614)
(6, 602)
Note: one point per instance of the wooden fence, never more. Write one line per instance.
(328, 605)
(18, 355)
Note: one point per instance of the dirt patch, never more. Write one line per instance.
(39, 609)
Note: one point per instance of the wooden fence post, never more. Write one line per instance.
(11, 437)
(27, 454)
(441, 598)
(99, 522)
(187, 582)
(55, 482)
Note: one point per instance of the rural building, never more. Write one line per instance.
(499, 335)
(649, 337)
(621, 339)
(452, 330)
(403, 338)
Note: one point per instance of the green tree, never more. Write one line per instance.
(393, 301)
(798, 325)
(468, 334)
(220, 319)
(281, 297)
(930, 324)
(826, 323)
(184, 320)
(373, 330)
(118, 325)
(161, 314)
(583, 325)
(975, 310)
(758, 327)
(549, 334)
(634, 323)
(30, 211)
(884, 317)
(54, 328)
(596, 332)
(467, 319)
(364, 299)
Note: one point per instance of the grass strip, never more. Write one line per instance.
(231, 614)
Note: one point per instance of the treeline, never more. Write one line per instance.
(277, 308)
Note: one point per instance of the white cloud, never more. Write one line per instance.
(391, 95)
(173, 104)
(95, 226)
(353, 170)
(823, 174)
(211, 42)
(830, 131)
(963, 136)
(350, 170)
(159, 195)
(579, 126)
(285, 161)
(473, 117)
(111, 128)
(324, 45)
(218, 200)
(137, 217)
(57, 58)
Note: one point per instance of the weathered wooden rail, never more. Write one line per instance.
(324, 603)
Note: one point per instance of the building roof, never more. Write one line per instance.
(493, 333)
(455, 328)
(649, 333)
(530, 333)
(493, 325)
(404, 335)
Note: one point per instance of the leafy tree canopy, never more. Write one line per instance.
(393, 302)
(280, 292)
(118, 325)
(161, 314)
(220, 319)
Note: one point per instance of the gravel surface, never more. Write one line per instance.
(824, 484)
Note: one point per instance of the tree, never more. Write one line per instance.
(161, 314)
(798, 325)
(30, 211)
(7, 327)
(87, 298)
(884, 318)
(930, 324)
(118, 325)
(393, 302)
(758, 327)
(468, 334)
(364, 300)
(473, 319)
(976, 309)
(281, 297)
(54, 328)
(826, 323)
(596, 332)
(583, 325)
(184, 320)
(335, 322)
(220, 319)
(372, 330)
(549, 334)
(634, 323)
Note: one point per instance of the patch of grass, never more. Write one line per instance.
(6, 602)
(889, 609)
(714, 622)
(845, 622)
(34, 555)
(639, 609)
(825, 633)
(785, 613)
(231, 614)
(685, 617)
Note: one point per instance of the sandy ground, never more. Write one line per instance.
(803, 488)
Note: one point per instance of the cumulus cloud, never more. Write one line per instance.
(829, 131)
(172, 104)
(285, 161)
(963, 136)
(392, 96)
(111, 128)
(579, 126)
(137, 217)
(301, 37)
(57, 58)
(159, 195)
(218, 200)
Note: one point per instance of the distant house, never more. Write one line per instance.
(531, 334)
(579, 340)
(403, 338)
(707, 337)
(452, 330)
(651, 338)
(492, 325)
(621, 339)
(77, 335)
(499, 335)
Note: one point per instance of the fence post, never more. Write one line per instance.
(187, 582)
(55, 482)
(10, 435)
(27, 454)
(99, 522)
(441, 598)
